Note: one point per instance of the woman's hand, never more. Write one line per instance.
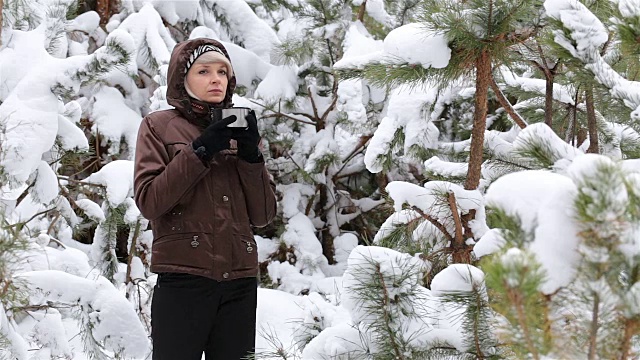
(213, 139)
(248, 140)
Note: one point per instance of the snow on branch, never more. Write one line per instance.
(586, 35)
(112, 321)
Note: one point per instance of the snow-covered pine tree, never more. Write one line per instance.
(477, 35)
(50, 64)
(572, 276)
(289, 68)
(316, 130)
(12, 247)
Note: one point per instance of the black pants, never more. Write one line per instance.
(193, 314)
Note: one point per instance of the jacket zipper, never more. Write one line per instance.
(211, 198)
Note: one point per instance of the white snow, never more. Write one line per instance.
(91, 209)
(416, 45)
(312, 302)
(543, 203)
(405, 111)
(409, 43)
(113, 120)
(117, 178)
(113, 320)
(245, 27)
(279, 83)
(151, 37)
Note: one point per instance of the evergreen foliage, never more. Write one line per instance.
(356, 150)
(388, 300)
(513, 282)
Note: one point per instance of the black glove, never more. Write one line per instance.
(213, 139)
(248, 140)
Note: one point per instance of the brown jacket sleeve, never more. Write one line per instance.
(259, 191)
(160, 183)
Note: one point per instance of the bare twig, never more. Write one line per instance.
(53, 222)
(435, 223)
(593, 333)
(313, 104)
(280, 113)
(86, 167)
(57, 242)
(132, 250)
(81, 182)
(334, 101)
(22, 223)
(456, 217)
(506, 105)
(356, 150)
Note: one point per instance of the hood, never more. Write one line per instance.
(194, 110)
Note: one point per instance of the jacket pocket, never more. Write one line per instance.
(244, 251)
(186, 249)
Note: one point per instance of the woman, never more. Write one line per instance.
(202, 194)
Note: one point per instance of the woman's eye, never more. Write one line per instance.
(223, 72)
(202, 71)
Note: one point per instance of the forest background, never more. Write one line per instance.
(457, 179)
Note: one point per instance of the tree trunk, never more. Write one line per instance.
(363, 7)
(582, 135)
(328, 248)
(548, 99)
(483, 81)
(592, 123)
(105, 8)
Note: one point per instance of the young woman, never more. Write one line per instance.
(203, 186)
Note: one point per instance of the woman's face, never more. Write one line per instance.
(208, 81)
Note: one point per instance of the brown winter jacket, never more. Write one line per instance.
(201, 214)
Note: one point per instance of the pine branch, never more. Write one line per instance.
(315, 110)
(82, 182)
(356, 150)
(334, 101)
(506, 105)
(458, 244)
(476, 324)
(361, 11)
(435, 223)
(631, 327)
(277, 113)
(133, 252)
(394, 74)
(593, 331)
(515, 296)
(513, 279)
(386, 316)
(21, 224)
